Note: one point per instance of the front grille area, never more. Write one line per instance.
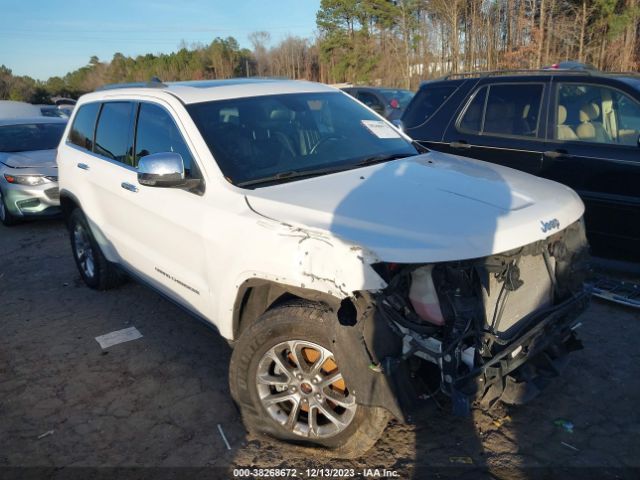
(505, 307)
(53, 193)
(522, 282)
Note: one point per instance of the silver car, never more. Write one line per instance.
(28, 170)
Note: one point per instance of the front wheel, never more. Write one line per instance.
(285, 379)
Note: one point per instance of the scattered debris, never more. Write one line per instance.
(226, 442)
(564, 424)
(45, 434)
(570, 446)
(119, 336)
(376, 367)
(463, 460)
(617, 291)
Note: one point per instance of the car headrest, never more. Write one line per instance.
(280, 114)
(588, 112)
(562, 114)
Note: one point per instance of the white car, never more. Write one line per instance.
(350, 272)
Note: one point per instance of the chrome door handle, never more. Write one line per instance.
(83, 166)
(460, 144)
(129, 186)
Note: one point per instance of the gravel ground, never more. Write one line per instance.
(150, 408)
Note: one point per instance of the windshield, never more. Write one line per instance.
(278, 135)
(403, 97)
(30, 137)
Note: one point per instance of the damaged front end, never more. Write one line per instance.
(487, 329)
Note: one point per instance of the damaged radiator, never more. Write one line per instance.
(505, 306)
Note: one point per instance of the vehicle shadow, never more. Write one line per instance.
(440, 208)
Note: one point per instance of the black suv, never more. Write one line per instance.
(578, 127)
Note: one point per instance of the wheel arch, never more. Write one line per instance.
(68, 203)
(255, 296)
(360, 337)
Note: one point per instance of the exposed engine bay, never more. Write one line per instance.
(494, 328)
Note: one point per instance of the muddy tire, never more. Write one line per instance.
(96, 271)
(284, 379)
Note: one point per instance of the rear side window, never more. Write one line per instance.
(113, 133)
(509, 109)
(81, 133)
(428, 100)
(157, 133)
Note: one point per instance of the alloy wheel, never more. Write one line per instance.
(84, 250)
(302, 389)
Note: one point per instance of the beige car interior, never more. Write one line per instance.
(590, 129)
(564, 132)
(597, 122)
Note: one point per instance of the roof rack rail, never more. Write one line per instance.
(154, 82)
(495, 73)
(628, 74)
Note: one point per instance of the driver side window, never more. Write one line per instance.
(156, 132)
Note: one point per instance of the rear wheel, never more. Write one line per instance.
(96, 271)
(285, 379)
(6, 217)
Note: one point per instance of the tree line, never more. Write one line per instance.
(387, 42)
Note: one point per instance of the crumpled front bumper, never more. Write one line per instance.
(516, 372)
(524, 366)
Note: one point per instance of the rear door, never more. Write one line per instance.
(111, 161)
(502, 122)
(593, 148)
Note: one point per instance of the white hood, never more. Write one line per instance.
(35, 159)
(428, 208)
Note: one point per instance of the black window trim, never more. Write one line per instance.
(95, 131)
(481, 133)
(554, 116)
(67, 140)
(181, 132)
(136, 113)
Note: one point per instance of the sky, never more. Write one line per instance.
(44, 38)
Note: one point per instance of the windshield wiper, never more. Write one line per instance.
(418, 146)
(291, 174)
(382, 158)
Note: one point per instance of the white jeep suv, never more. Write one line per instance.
(351, 272)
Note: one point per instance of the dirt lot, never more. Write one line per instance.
(157, 401)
